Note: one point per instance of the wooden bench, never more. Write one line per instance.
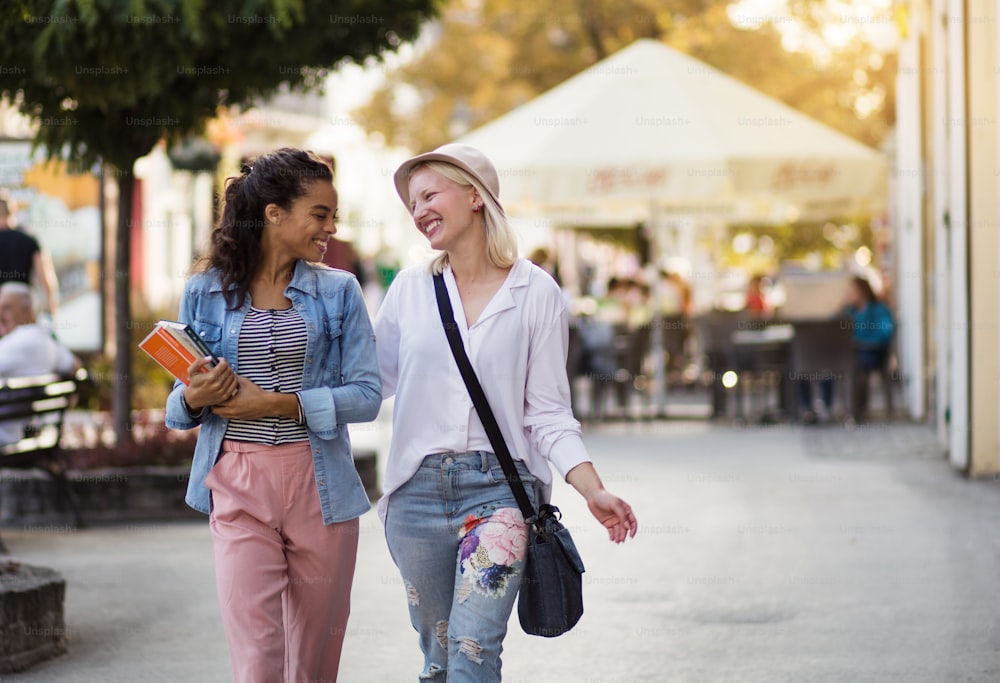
(40, 402)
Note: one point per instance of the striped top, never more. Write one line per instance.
(271, 352)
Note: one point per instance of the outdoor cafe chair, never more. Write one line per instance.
(760, 360)
(714, 332)
(632, 347)
(674, 333)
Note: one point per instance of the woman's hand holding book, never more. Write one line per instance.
(211, 387)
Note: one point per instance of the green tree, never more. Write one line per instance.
(107, 79)
(488, 56)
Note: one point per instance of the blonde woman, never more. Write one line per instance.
(452, 524)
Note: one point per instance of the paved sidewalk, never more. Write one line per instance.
(764, 555)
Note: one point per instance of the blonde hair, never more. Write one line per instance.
(501, 242)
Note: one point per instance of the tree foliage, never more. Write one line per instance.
(107, 79)
(824, 245)
(488, 56)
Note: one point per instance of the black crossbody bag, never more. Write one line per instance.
(550, 601)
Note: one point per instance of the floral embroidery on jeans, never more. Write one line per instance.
(489, 549)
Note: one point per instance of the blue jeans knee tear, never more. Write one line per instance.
(471, 648)
(432, 672)
(442, 634)
(412, 596)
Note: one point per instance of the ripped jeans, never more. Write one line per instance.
(458, 538)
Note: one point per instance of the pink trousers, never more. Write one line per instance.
(284, 578)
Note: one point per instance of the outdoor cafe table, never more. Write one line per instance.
(766, 349)
(801, 350)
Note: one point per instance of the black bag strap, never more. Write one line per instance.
(480, 402)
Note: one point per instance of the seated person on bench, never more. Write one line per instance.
(26, 348)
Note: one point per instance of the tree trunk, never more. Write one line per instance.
(121, 400)
(592, 29)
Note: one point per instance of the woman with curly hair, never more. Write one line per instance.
(272, 466)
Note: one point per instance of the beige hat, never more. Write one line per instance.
(467, 158)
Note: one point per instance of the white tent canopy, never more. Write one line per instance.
(650, 131)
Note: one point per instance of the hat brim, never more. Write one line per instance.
(401, 177)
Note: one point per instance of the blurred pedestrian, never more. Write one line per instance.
(22, 259)
(674, 295)
(616, 305)
(640, 307)
(26, 348)
(873, 328)
(542, 257)
(757, 304)
(272, 464)
(676, 305)
(451, 521)
(807, 402)
(342, 255)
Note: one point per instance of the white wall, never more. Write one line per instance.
(958, 329)
(907, 189)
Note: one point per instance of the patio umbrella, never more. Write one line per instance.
(652, 136)
(650, 130)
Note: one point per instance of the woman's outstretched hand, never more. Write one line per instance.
(614, 513)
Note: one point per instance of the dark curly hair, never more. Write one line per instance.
(279, 177)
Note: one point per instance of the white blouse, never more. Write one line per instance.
(518, 348)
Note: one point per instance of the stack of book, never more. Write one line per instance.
(175, 346)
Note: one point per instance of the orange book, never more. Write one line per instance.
(172, 348)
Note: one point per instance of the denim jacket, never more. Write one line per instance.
(340, 382)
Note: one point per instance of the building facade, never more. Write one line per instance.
(947, 216)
